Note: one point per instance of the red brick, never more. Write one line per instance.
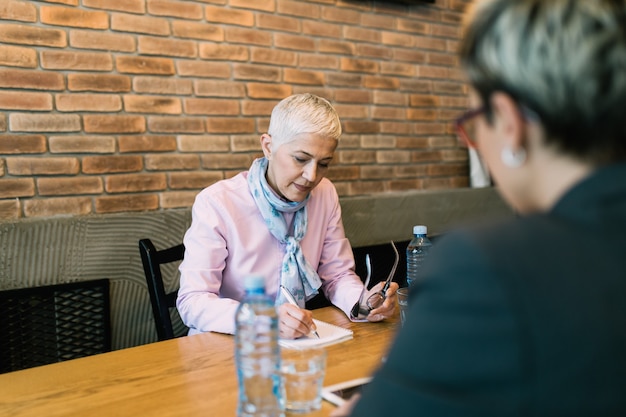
(203, 143)
(31, 35)
(114, 124)
(223, 52)
(374, 51)
(445, 87)
(22, 144)
(150, 143)
(275, 91)
(340, 79)
(78, 61)
(130, 183)
(3, 122)
(413, 56)
(22, 100)
(377, 172)
(246, 143)
(356, 157)
(342, 173)
(397, 128)
(18, 187)
(331, 14)
(86, 39)
(359, 65)
(398, 39)
(392, 157)
(273, 56)
(211, 106)
(69, 186)
(31, 80)
(227, 161)
(230, 125)
(31, 122)
(57, 206)
(345, 95)
(257, 107)
(18, 10)
(176, 199)
(277, 23)
(152, 104)
(264, 5)
(193, 180)
(72, 17)
(144, 65)
(296, 76)
(140, 24)
(363, 35)
(160, 85)
(222, 15)
(182, 9)
(295, 42)
(98, 82)
(211, 88)
(172, 162)
(421, 114)
(322, 29)
(256, 72)
(360, 126)
(203, 69)
(111, 164)
(388, 113)
(186, 124)
(15, 56)
(391, 98)
(131, 6)
(168, 47)
(88, 102)
(366, 187)
(293, 8)
(127, 202)
(42, 166)
(352, 111)
(416, 86)
(194, 30)
(398, 68)
(377, 20)
(247, 36)
(10, 209)
(82, 144)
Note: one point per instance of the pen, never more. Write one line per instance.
(292, 300)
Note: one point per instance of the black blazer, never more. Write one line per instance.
(522, 318)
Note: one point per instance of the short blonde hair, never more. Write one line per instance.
(563, 59)
(303, 113)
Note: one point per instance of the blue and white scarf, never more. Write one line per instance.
(296, 275)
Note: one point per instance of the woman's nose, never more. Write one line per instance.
(310, 172)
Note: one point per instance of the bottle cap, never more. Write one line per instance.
(420, 230)
(254, 282)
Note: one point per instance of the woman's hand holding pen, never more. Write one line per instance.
(294, 321)
(388, 308)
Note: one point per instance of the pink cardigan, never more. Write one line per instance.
(228, 240)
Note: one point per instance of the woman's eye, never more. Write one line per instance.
(300, 160)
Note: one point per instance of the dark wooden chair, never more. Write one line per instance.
(161, 301)
(54, 323)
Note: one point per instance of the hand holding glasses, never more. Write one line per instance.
(363, 307)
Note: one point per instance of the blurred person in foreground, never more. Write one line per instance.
(527, 317)
(281, 219)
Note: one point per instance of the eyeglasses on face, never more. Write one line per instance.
(461, 123)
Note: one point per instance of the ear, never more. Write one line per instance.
(509, 121)
(266, 145)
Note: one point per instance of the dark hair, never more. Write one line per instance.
(563, 59)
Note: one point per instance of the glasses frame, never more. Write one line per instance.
(462, 119)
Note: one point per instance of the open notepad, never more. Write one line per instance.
(329, 335)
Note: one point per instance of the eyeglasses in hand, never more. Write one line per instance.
(377, 299)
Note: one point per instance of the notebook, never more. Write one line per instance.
(329, 335)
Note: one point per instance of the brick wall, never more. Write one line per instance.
(136, 105)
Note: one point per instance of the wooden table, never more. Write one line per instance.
(189, 376)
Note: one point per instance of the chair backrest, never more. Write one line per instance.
(161, 300)
(53, 323)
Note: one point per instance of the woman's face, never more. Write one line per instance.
(297, 166)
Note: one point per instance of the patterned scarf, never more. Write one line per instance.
(297, 275)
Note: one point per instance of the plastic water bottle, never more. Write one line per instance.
(257, 353)
(416, 253)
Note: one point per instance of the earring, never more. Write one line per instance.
(513, 159)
